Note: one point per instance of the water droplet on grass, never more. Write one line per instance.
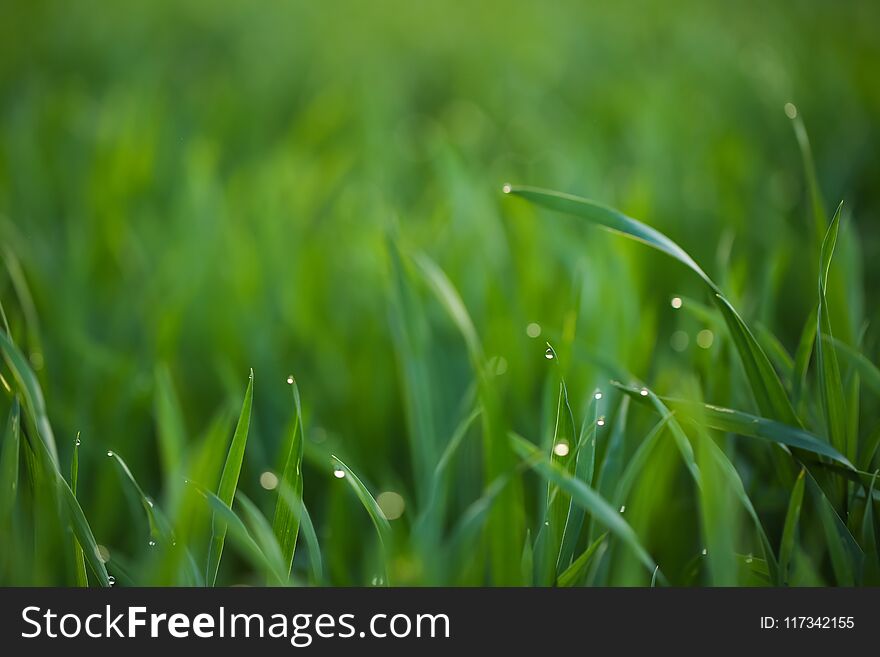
(549, 354)
(111, 580)
(109, 453)
(290, 380)
(601, 421)
(791, 110)
(561, 449)
(598, 395)
(623, 508)
(506, 188)
(643, 392)
(339, 473)
(151, 543)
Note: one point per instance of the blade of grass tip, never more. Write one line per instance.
(575, 574)
(159, 529)
(30, 391)
(583, 495)
(229, 482)
(285, 523)
(768, 390)
(562, 453)
(869, 539)
(789, 530)
(802, 357)
(261, 530)
(9, 461)
(830, 381)
(236, 529)
(79, 561)
(383, 529)
(584, 469)
(299, 509)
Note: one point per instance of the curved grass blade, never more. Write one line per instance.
(298, 508)
(30, 391)
(286, 524)
(583, 495)
(789, 530)
(574, 575)
(159, 528)
(767, 388)
(726, 468)
(79, 561)
(752, 426)
(383, 529)
(237, 530)
(229, 482)
(261, 530)
(584, 469)
(830, 381)
(802, 356)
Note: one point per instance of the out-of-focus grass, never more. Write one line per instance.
(190, 190)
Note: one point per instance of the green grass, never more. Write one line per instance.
(649, 359)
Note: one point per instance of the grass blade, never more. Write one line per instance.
(298, 508)
(582, 494)
(574, 575)
(229, 482)
(789, 530)
(286, 523)
(766, 386)
(830, 381)
(79, 562)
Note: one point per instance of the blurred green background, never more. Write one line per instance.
(205, 187)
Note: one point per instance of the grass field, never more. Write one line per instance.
(312, 293)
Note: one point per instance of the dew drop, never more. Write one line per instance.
(705, 552)
(623, 508)
(750, 559)
(548, 354)
(643, 392)
(506, 188)
(152, 543)
(561, 448)
(791, 110)
(546, 523)
(111, 580)
(598, 395)
(339, 473)
(676, 302)
(78, 441)
(290, 380)
(109, 453)
(601, 421)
